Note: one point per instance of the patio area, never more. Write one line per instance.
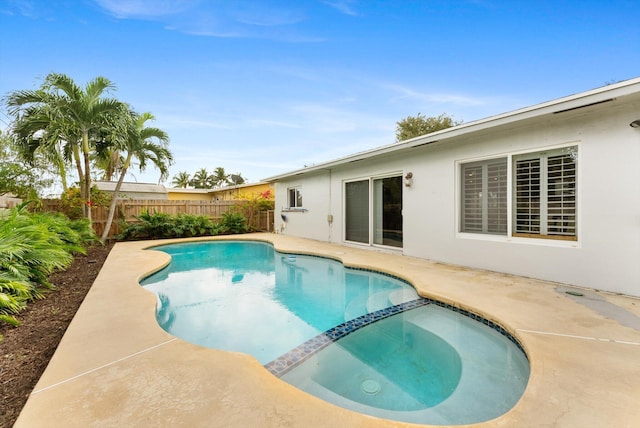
(116, 367)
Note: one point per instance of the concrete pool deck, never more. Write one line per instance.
(116, 367)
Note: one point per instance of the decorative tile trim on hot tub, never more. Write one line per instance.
(291, 359)
(497, 327)
(296, 356)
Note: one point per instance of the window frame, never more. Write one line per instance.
(295, 202)
(511, 235)
(347, 232)
(544, 194)
(483, 205)
(373, 211)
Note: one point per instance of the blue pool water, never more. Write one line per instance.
(359, 339)
(244, 296)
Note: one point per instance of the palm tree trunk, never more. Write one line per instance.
(87, 173)
(76, 158)
(62, 170)
(114, 199)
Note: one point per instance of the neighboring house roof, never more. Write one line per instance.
(217, 189)
(572, 102)
(188, 190)
(127, 187)
(8, 200)
(242, 186)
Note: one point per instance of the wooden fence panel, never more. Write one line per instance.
(129, 209)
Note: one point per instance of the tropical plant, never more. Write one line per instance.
(62, 112)
(202, 180)
(255, 203)
(109, 161)
(71, 202)
(140, 143)
(32, 246)
(220, 177)
(411, 127)
(189, 225)
(148, 226)
(233, 223)
(38, 149)
(16, 177)
(162, 225)
(181, 180)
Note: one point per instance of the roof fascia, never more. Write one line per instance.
(593, 97)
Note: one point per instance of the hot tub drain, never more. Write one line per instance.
(370, 386)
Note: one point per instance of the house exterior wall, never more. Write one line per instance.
(177, 195)
(310, 221)
(606, 254)
(241, 192)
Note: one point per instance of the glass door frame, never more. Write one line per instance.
(375, 209)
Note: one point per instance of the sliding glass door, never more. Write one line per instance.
(373, 211)
(387, 211)
(357, 211)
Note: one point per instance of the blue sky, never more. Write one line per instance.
(265, 87)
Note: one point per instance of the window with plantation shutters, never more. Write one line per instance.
(527, 188)
(545, 186)
(484, 197)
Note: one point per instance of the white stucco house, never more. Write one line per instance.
(550, 191)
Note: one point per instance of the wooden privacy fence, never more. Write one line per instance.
(129, 209)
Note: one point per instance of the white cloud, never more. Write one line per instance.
(271, 20)
(343, 6)
(404, 92)
(29, 8)
(262, 15)
(145, 9)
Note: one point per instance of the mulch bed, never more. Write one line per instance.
(26, 350)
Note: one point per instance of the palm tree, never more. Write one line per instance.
(70, 113)
(109, 161)
(181, 180)
(220, 177)
(33, 144)
(139, 142)
(201, 179)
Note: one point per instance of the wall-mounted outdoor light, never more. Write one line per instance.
(408, 179)
(635, 123)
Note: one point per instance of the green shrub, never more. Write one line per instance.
(162, 226)
(32, 247)
(233, 223)
(255, 203)
(71, 202)
(188, 225)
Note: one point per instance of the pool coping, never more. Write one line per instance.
(115, 366)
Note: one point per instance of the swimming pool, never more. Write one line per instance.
(359, 339)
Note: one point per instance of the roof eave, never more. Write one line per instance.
(571, 102)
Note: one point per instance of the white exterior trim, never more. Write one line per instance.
(607, 250)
